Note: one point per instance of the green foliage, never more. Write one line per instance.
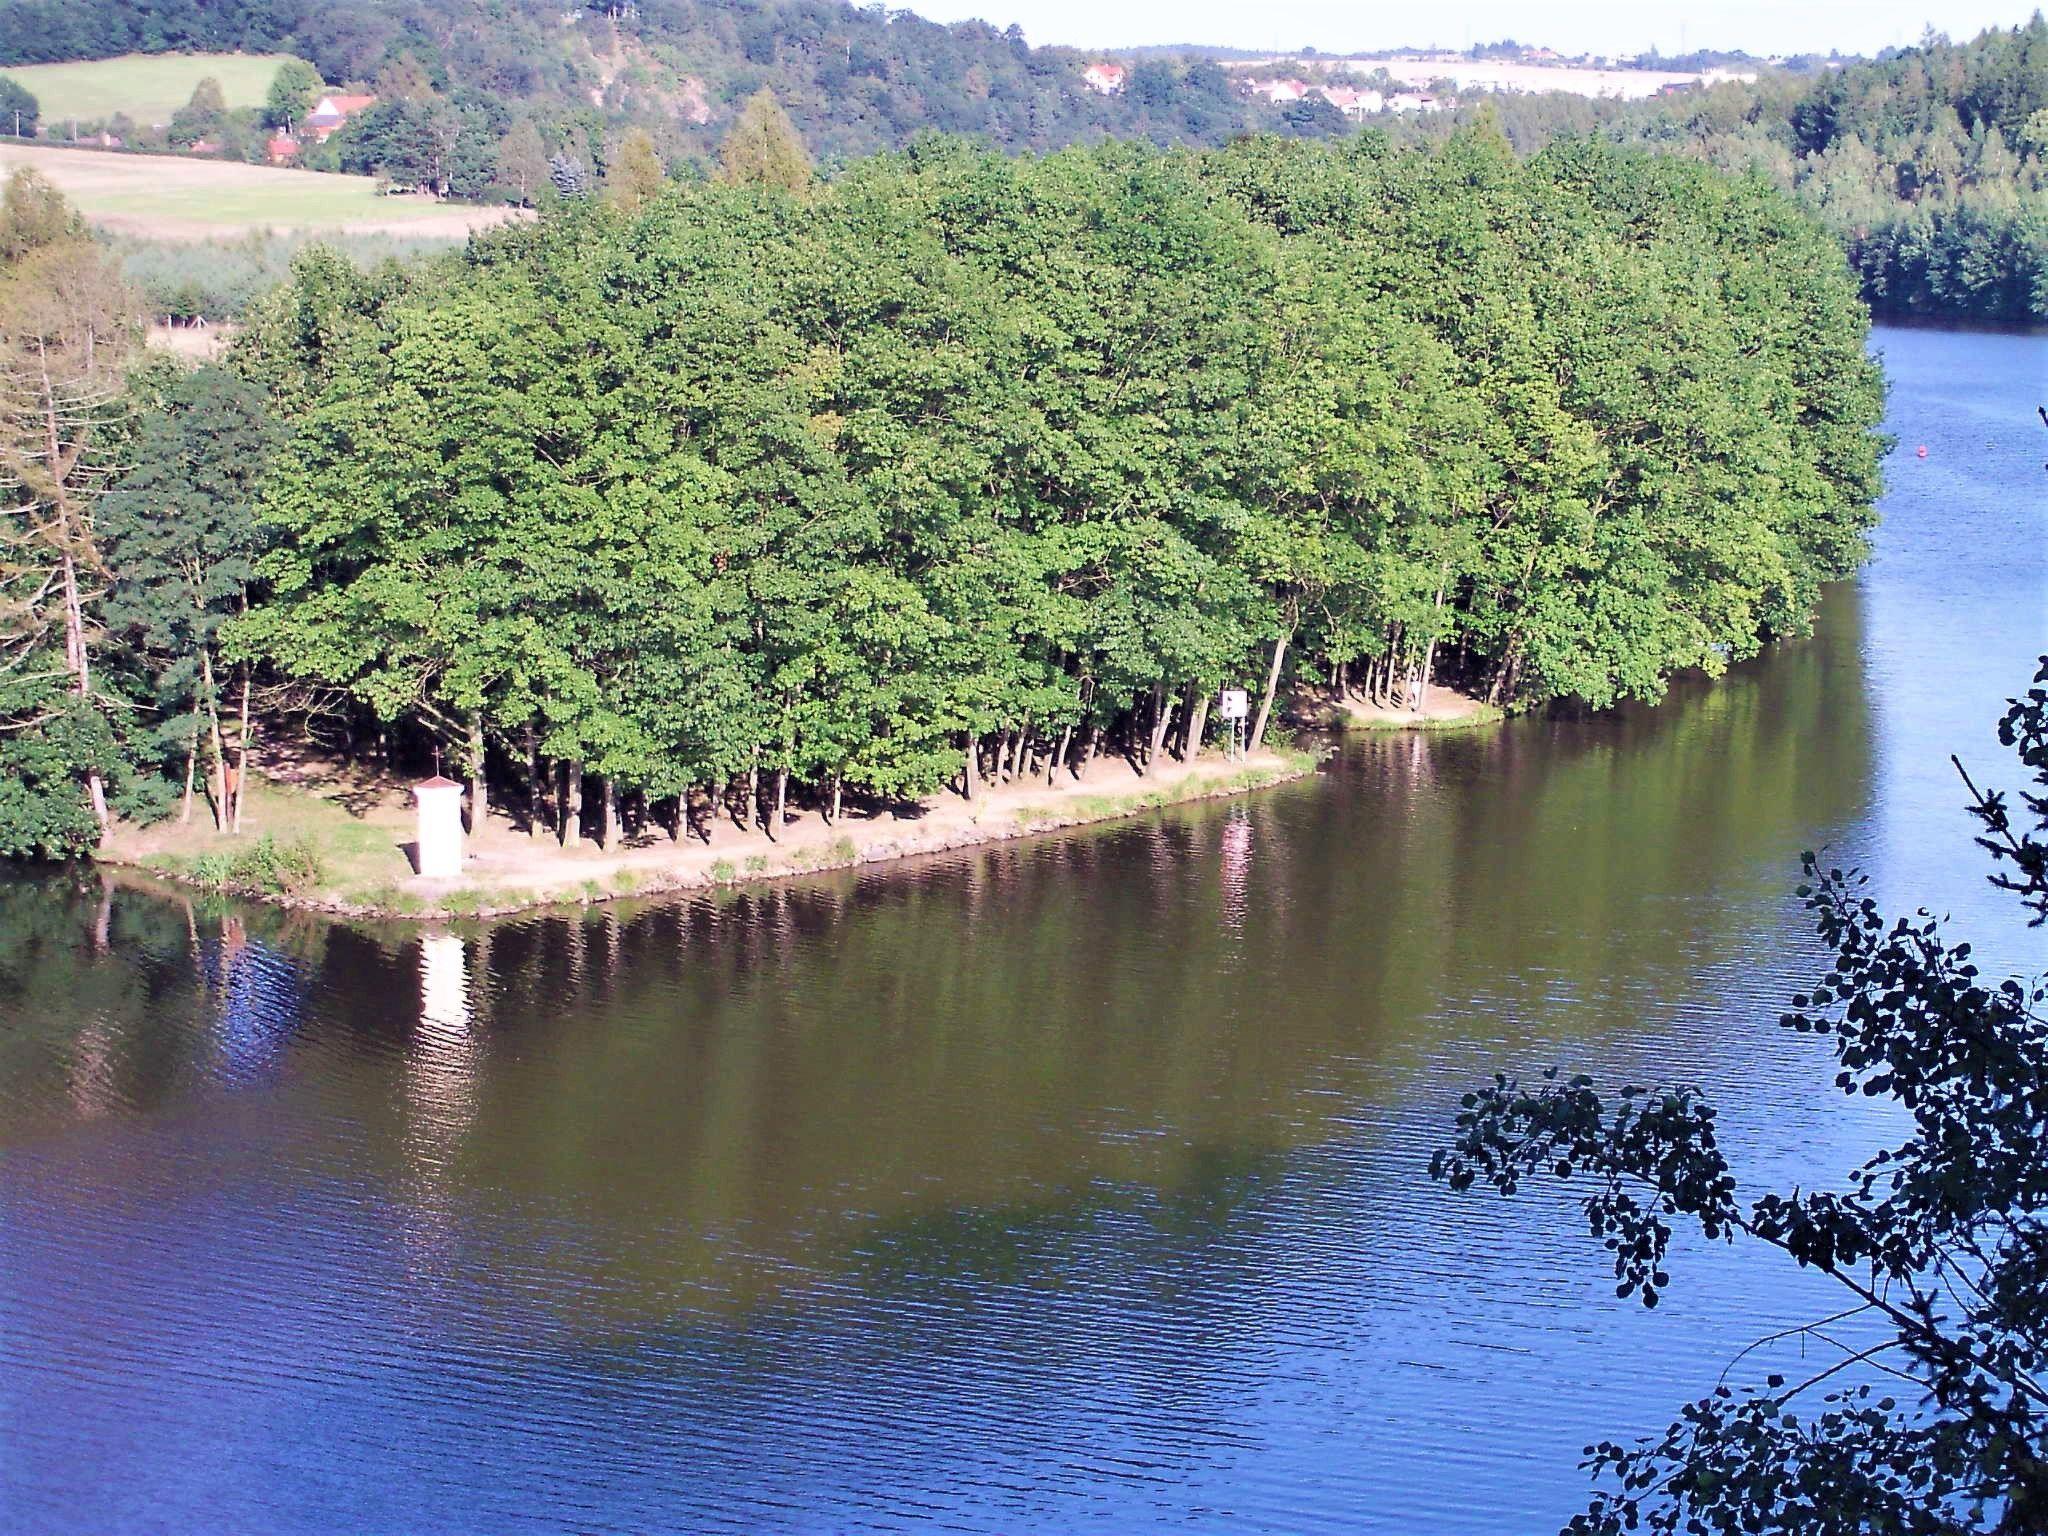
(219, 280)
(1940, 1243)
(963, 458)
(763, 148)
(204, 117)
(68, 323)
(34, 216)
(43, 809)
(522, 162)
(19, 109)
(266, 867)
(294, 90)
(635, 174)
(1927, 164)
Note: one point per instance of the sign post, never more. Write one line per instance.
(1234, 705)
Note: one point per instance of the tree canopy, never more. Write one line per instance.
(964, 457)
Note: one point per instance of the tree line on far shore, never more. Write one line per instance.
(1929, 164)
(955, 469)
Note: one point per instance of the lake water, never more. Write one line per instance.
(1070, 1185)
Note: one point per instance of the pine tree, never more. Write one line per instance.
(68, 325)
(568, 175)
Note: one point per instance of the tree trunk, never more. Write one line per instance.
(754, 790)
(1059, 754)
(479, 790)
(1198, 722)
(81, 667)
(1162, 713)
(1429, 658)
(220, 748)
(242, 761)
(971, 779)
(1258, 735)
(572, 804)
(781, 799)
(1503, 673)
(536, 794)
(191, 770)
(608, 813)
(838, 784)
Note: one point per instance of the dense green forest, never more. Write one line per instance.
(1929, 165)
(956, 466)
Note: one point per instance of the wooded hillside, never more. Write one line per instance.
(1927, 165)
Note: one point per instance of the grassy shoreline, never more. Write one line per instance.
(314, 867)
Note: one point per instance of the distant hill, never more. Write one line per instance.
(1928, 163)
(854, 80)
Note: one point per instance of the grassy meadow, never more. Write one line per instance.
(149, 87)
(181, 198)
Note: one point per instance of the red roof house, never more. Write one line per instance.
(330, 113)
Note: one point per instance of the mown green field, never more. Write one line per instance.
(149, 87)
(175, 197)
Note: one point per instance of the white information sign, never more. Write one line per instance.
(1234, 705)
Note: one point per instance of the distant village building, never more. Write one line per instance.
(330, 113)
(1353, 103)
(282, 149)
(1105, 78)
(1411, 101)
(1278, 91)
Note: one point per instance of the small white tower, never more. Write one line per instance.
(440, 815)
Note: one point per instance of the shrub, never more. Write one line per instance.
(265, 868)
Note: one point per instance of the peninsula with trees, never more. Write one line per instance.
(693, 506)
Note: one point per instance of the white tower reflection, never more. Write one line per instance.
(1235, 870)
(440, 1092)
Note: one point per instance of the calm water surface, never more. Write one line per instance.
(1066, 1186)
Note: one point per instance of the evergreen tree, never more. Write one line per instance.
(68, 324)
(179, 531)
(568, 177)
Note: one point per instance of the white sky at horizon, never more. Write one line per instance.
(1584, 26)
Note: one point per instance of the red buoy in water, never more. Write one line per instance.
(1922, 450)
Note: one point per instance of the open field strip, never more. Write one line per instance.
(169, 197)
(149, 87)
